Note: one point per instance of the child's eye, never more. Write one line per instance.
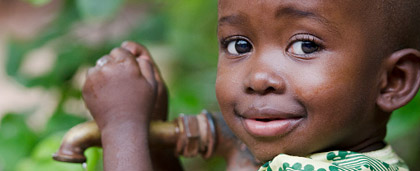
(239, 47)
(303, 47)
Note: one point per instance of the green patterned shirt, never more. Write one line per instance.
(381, 160)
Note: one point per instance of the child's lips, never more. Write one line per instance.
(269, 122)
(271, 128)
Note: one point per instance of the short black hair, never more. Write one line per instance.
(402, 19)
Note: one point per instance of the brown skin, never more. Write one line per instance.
(123, 95)
(339, 95)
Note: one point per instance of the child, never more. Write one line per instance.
(306, 85)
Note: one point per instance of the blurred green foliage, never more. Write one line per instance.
(181, 25)
(38, 2)
(188, 27)
(98, 9)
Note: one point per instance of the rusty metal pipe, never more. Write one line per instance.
(203, 134)
(190, 135)
(76, 141)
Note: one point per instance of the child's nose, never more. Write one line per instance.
(263, 82)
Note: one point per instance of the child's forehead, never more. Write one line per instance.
(386, 17)
(226, 6)
(334, 15)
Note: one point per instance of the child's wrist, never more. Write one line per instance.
(119, 118)
(125, 129)
(126, 121)
(127, 142)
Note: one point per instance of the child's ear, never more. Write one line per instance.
(400, 80)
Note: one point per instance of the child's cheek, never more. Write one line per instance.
(311, 82)
(332, 76)
(330, 91)
(228, 81)
(225, 84)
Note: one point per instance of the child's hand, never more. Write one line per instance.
(122, 92)
(122, 87)
(160, 111)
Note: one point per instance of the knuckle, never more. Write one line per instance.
(108, 70)
(103, 60)
(130, 63)
(120, 54)
(132, 43)
(115, 50)
(128, 43)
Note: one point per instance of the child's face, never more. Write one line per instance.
(298, 76)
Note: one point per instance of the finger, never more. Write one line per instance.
(136, 49)
(90, 71)
(161, 105)
(146, 68)
(87, 85)
(124, 56)
(103, 61)
(140, 51)
(120, 54)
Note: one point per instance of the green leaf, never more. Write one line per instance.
(41, 157)
(98, 9)
(16, 140)
(17, 50)
(94, 159)
(152, 30)
(46, 147)
(38, 2)
(61, 121)
(15, 55)
(404, 120)
(32, 165)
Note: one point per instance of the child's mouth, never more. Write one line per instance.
(265, 120)
(269, 127)
(269, 123)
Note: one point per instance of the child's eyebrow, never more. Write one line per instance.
(293, 12)
(290, 11)
(233, 19)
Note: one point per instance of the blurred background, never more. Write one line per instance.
(46, 47)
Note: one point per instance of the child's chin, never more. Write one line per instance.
(264, 157)
(265, 154)
(268, 152)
